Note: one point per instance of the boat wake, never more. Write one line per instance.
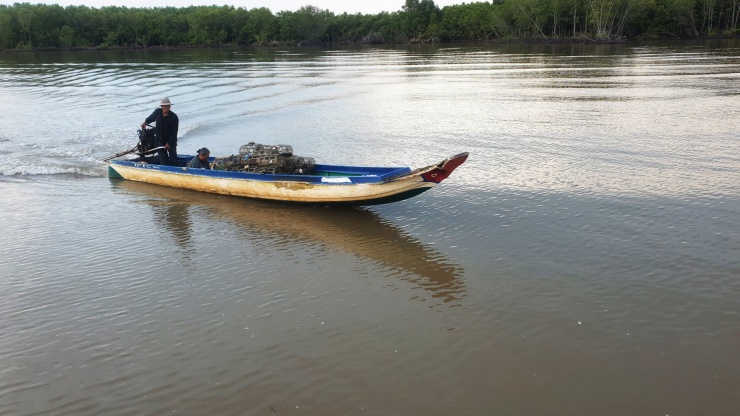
(29, 168)
(73, 157)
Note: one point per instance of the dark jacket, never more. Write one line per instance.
(165, 132)
(196, 163)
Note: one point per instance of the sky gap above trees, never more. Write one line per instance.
(28, 26)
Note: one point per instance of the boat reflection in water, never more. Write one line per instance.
(354, 231)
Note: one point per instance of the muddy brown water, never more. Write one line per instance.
(584, 260)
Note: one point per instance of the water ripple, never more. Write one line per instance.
(591, 235)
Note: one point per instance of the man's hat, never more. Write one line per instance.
(204, 151)
(165, 101)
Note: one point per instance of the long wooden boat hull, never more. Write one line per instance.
(328, 185)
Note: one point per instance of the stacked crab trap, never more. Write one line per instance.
(261, 158)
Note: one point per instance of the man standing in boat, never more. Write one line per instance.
(165, 132)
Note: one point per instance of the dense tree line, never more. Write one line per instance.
(25, 25)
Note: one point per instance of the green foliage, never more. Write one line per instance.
(67, 36)
(6, 30)
(310, 23)
(259, 26)
(26, 26)
(418, 18)
(475, 21)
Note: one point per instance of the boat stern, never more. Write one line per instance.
(112, 173)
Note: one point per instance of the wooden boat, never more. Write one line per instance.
(326, 185)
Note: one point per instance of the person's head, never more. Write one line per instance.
(165, 104)
(203, 153)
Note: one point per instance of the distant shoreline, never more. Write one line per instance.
(545, 41)
(37, 28)
(319, 44)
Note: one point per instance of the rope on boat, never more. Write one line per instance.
(261, 158)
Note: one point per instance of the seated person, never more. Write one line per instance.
(201, 160)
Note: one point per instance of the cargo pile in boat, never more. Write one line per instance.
(261, 158)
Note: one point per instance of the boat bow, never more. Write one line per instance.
(434, 173)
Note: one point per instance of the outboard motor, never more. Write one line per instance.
(146, 141)
(143, 148)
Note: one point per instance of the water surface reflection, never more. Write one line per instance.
(358, 232)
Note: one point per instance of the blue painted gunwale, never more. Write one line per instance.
(355, 174)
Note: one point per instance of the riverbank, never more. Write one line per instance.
(508, 41)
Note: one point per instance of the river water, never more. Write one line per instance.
(584, 260)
